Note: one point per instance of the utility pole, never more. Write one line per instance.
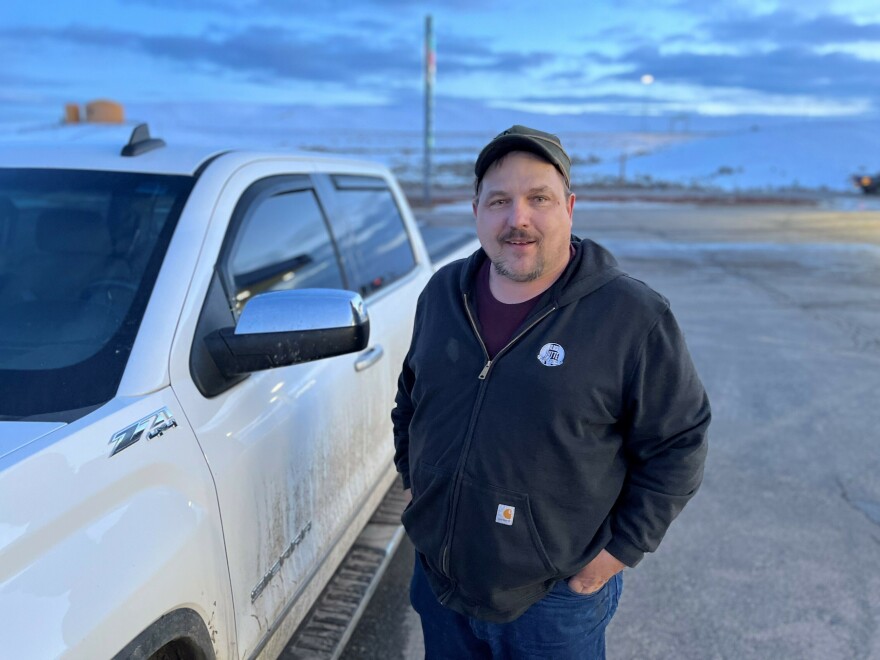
(430, 73)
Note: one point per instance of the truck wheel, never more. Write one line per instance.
(173, 651)
(178, 635)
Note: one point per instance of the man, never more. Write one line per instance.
(549, 423)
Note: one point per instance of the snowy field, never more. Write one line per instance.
(746, 155)
(811, 155)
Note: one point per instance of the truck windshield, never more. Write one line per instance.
(79, 254)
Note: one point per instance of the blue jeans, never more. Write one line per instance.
(564, 625)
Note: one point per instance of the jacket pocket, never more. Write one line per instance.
(497, 556)
(425, 517)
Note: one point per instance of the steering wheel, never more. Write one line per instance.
(106, 284)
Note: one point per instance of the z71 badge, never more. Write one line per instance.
(153, 425)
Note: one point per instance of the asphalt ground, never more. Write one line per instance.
(778, 555)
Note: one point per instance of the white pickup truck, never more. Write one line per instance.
(198, 355)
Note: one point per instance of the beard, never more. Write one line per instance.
(505, 270)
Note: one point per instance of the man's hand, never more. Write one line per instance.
(407, 495)
(594, 575)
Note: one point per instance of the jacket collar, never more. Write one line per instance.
(591, 268)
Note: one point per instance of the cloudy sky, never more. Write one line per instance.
(815, 58)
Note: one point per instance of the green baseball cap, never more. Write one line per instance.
(523, 138)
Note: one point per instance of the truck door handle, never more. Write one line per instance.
(369, 357)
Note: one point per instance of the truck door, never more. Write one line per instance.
(380, 264)
(277, 441)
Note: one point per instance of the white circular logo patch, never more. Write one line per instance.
(551, 355)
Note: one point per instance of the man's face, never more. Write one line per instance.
(524, 218)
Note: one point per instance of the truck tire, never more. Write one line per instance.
(178, 635)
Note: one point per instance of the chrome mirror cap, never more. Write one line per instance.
(302, 309)
(280, 328)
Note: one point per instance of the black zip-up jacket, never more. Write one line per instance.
(587, 431)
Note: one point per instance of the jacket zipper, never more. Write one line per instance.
(485, 372)
(459, 470)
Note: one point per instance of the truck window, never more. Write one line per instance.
(79, 254)
(378, 249)
(283, 244)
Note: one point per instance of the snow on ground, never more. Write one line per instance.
(810, 155)
(762, 156)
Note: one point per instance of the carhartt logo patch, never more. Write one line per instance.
(505, 514)
(551, 355)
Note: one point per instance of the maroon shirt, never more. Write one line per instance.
(498, 320)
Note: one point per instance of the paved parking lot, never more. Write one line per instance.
(778, 556)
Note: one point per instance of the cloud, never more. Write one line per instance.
(216, 6)
(18, 80)
(332, 8)
(268, 52)
(464, 55)
(778, 54)
(595, 99)
(786, 70)
(786, 28)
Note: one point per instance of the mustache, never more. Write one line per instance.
(517, 235)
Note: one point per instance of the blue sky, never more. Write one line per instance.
(813, 58)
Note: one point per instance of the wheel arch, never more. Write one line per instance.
(182, 627)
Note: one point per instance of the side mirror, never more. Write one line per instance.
(279, 328)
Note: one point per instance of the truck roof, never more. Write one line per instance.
(92, 146)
